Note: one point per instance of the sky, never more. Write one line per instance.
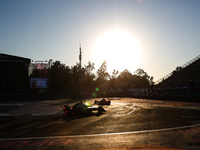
(153, 35)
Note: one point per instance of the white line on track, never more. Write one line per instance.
(103, 134)
(130, 112)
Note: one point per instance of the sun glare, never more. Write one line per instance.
(119, 49)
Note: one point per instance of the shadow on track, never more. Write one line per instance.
(68, 118)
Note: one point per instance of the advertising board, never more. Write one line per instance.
(38, 83)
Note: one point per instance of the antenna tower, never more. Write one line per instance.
(80, 55)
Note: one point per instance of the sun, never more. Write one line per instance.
(119, 49)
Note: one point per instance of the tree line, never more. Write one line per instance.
(83, 81)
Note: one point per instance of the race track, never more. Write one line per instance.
(128, 123)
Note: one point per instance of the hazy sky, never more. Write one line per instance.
(154, 35)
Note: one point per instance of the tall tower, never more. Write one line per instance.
(80, 55)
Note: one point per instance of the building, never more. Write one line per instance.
(13, 74)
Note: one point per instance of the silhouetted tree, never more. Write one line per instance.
(125, 80)
(113, 80)
(102, 74)
(88, 78)
(143, 79)
(76, 80)
(57, 77)
(102, 77)
(89, 68)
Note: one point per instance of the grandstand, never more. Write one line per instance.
(181, 84)
(185, 76)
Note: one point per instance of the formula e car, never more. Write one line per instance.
(103, 101)
(81, 109)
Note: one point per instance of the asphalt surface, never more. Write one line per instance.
(127, 124)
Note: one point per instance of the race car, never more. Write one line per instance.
(80, 109)
(103, 101)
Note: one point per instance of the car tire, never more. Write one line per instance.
(100, 110)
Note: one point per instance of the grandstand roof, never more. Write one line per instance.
(4, 58)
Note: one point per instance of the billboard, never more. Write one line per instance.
(38, 83)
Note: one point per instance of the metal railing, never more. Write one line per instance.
(182, 67)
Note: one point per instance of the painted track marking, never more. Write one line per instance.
(103, 134)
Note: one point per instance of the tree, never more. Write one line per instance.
(102, 73)
(113, 79)
(143, 79)
(89, 68)
(125, 79)
(77, 76)
(88, 78)
(102, 77)
(58, 78)
(81, 80)
(141, 73)
(115, 74)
